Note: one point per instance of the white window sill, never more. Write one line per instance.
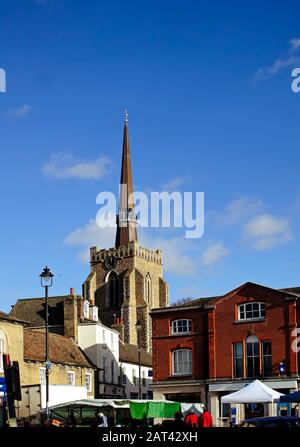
(182, 375)
(176, 334)
(251, 320)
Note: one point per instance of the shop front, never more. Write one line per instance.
(225, 413)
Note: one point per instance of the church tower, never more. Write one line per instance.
(126, 281)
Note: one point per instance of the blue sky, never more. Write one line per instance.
(208, 89)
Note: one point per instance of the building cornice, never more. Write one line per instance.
(174, 309)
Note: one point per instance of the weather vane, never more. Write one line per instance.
(126, 116)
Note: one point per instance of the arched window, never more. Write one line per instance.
(181, 327)
(251, 311)
(182, 362)
(114, 290)
(252, 356)
(148, 290)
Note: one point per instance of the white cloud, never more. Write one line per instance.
(277, 66)
(178, 258)
(65, 165)
(265, 231)
(175, 257)
(90, 235)
(181, 257)
(173, 184)
(236, 211)
(19, 112)
(295, 44)
(214, 253)
(177, 254)
(281, 63)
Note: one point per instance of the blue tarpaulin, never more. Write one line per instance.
(292, 397)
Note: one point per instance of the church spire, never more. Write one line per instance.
(126, 219)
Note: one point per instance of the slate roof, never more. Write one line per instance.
(8, 317)
(61, 349)
(128, 353)
(33, 310)
(293, 290)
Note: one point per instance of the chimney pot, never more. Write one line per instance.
(71, 291)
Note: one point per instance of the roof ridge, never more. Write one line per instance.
(49, 298)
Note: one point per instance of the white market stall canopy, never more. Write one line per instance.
(61, 394)
(255, 392)
(98, 403)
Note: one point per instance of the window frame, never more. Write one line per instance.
(95, 313)
(86, 310)
(112, 341)
(148, 290)
(144, 383)
(71, 373)
(112, 371)
(134, 377)
(113, 290)
(124, 376)
(175, 325)
(242, 309)
(189, 372)
(2, 352)
(235, 358)
(250, 359)
(42, 376)
(263, 357)
(89, 388)
(104, 368)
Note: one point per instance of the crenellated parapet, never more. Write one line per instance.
(132, 249)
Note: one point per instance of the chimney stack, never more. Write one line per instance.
(70, 316)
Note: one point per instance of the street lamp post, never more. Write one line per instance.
(138, 330)
(46, 282)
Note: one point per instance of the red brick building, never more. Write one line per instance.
(210, 347)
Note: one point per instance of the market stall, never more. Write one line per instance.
(255, 392)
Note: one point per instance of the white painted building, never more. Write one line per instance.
(101, 345)
(117, 362)
(129, 367)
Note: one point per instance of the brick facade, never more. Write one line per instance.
(215, 328)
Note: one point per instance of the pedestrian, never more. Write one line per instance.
(205, 420)
(101, 420)
(191, 419)
(295, 411)
(179, 420)
(72, 419)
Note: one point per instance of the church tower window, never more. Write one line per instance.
(148, 290)
(114, 290)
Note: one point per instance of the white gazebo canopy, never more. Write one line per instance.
(255, 392)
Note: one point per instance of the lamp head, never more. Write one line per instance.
(46, 277)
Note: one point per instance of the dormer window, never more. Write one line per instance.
(181, 327)
(251, 311)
